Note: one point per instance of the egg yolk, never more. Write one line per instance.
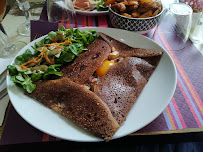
(101, 70)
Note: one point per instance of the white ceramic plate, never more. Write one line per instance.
(92, 13)
(150, 104)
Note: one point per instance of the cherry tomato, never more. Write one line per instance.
(101, 70)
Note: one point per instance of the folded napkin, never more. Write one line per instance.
(4, 101)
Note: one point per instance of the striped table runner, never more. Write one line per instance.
(84, 21)
(183, 114)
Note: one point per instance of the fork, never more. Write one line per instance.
(37, 36)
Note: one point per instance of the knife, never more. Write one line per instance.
(2, 29)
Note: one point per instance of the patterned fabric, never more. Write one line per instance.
(84, 21)
(185, 108)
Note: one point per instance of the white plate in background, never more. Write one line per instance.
(91, 13)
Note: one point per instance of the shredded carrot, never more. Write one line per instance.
(48, 60)
(35, 60)
(56, 38)
(58, 44)
(44, 54)
(24, 67)
(54, 45)
(67, 41)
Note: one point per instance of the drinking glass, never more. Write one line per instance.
(175, 25)
(196, 32)
(166, 3)
(24, 29)
(10, 48)
(58, 10)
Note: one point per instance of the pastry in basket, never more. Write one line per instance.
(134, 8)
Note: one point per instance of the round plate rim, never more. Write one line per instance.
(96, 139)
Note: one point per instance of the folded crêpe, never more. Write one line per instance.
(126, 51)
(77, 103)
(102, 110)
(123, 83)
(86, 64)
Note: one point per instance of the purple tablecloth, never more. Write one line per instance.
(183, 114)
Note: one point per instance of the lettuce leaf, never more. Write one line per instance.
(24, 57)
(79, 42)
(101, 7)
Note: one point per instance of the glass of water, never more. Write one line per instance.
(58, 10)
(196, 34)
(8, 48)
(24, 29)
(176, 25)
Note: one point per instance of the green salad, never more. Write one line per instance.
(101, 7)
(49, 55)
